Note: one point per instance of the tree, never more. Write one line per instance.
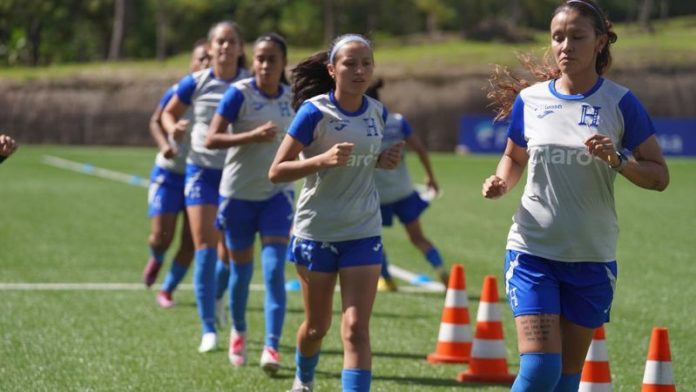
(118, 32)
(644, 16)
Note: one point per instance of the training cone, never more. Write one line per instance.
(454, 338)
(488, 362)
(658, 368)
(596, 376)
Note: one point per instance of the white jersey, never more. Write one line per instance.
(340, 203)
(176, 164)
(394, 185)
(245, 175)
(202, 91)
(567, 209)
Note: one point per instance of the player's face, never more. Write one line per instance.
(269, 62)
(575, 43)
(353, 68)
(199, 59)
(226, 46)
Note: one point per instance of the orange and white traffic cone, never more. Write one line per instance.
(454, 338)
(658, 368)
(488, 363)
(596, 376)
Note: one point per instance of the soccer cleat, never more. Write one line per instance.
(208, 342)
(237, 351)
(386, 284)
(270, 361)
(299, 386)
(221, 314)
(164, 299)
(150, 272)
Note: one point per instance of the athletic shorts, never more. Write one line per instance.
(321, 256)
(581, 292)
(407, 209)
(166, 192)
(241, 219)
(202, 185)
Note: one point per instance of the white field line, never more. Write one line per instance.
(86, 168)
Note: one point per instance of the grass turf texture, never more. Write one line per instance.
(61, 226)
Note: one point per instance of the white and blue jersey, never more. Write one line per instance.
(567, 210)
(339, 203)
(394, 185)
(245, 175)
(202, 91)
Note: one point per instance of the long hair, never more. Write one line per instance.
(241, 60)
(280, 42)
(504, 85)
(373, 90)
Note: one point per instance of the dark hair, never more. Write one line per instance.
(280, 41)
(504, 86)
(199, 42)
(241, 60)
(373, 90)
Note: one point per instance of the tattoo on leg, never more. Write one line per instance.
(536, 329)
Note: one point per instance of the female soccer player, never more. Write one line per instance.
(166, 195)
(338, 132)
(202, 92)
(398, 196)
(570, 130)
(259, 110)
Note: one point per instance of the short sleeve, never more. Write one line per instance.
(637, 123)
(516, 128)
(230, 104)
(167, 97)
(305, 122)
(185, 89)
(406, 129)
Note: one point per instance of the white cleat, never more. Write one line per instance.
(270, 361)
(237, 351)
(299, 386)
(221, 313)
(208, 342)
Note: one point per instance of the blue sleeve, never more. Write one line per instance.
(516, 128)
(637, 123)
(385, 114)
(230, 104)
(167, 97)
(406, 129)
(186, 88)
(304, 123)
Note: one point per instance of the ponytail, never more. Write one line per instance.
(310, 78)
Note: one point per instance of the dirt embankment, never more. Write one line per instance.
(115, 110)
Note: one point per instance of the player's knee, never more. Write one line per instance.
(538, 372)
(317, 331)
(160, 240)
(354, 331)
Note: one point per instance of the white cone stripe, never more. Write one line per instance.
(595, 387)
(488, 312)
(492, 349)
(456, 299)
(658, 373)
(454, 333)
(598, 351)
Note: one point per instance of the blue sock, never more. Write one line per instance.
(385, 266)
(273, 262)
(538, 372)
(158, 256)
(434, 257)
(568, 383)
(356, 380)
(222, 277)
(174, 277)
(306, 366)
(240, 277)
(204, 284)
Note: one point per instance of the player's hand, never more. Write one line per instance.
(430, 183)
(602, 147)
(7, 145)
(337, 155)
(180, 129)
(391, 157)
(493, 187)
(265, 133)
(168, 151)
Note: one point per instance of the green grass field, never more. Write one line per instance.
(62, 226)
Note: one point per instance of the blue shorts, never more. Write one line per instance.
(407, 209)
(202, 185)
(581, 292)
(332, 256)
(241, 219)
(166, 192)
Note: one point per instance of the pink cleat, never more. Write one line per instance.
(150, 272)
(237, 352)
(164, 299)
(270, 361)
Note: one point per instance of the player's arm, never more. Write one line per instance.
(286, 167)
(7, 146)
(414, 143)
(171, 115)
(649, 170)
(218, 137)
(508, 172)
(159, 135)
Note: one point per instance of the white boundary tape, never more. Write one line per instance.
(86, 168)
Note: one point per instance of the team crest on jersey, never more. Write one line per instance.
(339, 124)
(590, 116)
(371, 126)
